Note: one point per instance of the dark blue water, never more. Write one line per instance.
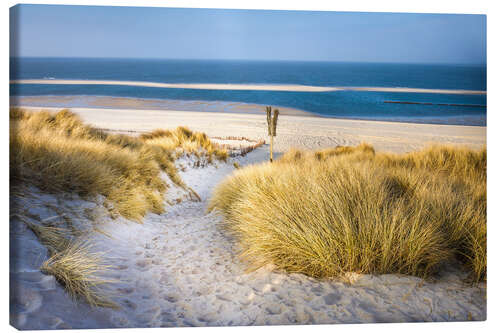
(345, 104)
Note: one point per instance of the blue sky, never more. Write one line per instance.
(135, 32)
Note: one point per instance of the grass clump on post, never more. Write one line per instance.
(350, 209)
(272, 122)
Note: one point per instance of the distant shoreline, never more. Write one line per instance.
(251, 87)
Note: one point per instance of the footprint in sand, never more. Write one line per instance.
(225, 297)
(318, 290)
(332, 298)
(205, 290)
(129, 304)
(273, 309)
(143, 264)
(172, 298)
(168, 317)
(126, 290)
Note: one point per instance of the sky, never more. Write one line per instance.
(176, 33)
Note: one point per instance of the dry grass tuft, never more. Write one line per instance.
(57, 152)
(73, 263)
(54, 238)
(185, 140)
(78, 269)
(350, 209)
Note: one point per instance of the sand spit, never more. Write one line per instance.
(112, 102)
(179, 269)
(265, 87)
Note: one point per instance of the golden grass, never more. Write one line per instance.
(79, 270)
(53, 238)
(349, 209)
(73, 263)
(58, 152)
(185, 140)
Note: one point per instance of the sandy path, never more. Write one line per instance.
(178, 269)
(186, 274)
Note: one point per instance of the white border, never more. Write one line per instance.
(418, 6)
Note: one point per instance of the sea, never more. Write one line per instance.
(439, 108)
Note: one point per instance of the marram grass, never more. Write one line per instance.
(74, 264)
(57, 152)
(78, 268)
(350, 209)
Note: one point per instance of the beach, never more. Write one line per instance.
(247, 168)
(297, 129)
(179, 269)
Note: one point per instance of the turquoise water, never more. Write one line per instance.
(468, 109)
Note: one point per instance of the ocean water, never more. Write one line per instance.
(468, 109)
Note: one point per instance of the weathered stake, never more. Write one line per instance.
(272, 122)
(271, 150)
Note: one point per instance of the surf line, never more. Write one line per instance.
(231, 86)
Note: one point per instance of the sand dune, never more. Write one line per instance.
(266, 87)
(180, 269)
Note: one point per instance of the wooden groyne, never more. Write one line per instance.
(441, 104)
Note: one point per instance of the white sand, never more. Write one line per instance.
(178, 268)
(266, 87)
(293, 131)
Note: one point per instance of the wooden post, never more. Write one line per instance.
(271, 149)
(272, 122)
(270, 131)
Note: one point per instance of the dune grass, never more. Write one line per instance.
(55, 239)
(57, 152)
(350, 209)
(78, 268)
(74, 264)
